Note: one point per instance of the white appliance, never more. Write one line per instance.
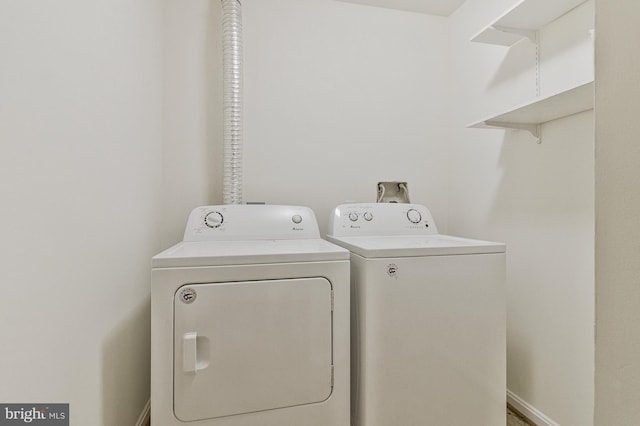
(428, 320)
(250, 322)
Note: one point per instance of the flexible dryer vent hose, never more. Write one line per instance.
(232, 64)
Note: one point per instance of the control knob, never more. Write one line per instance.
(368, 216)
(213, 219)
(353, 216)
(414, 216)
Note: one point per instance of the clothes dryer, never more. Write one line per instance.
(428, 319)
(250, 322)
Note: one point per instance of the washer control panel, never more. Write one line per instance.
(250, 222)
(381, 219)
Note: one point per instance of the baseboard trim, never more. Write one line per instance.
(532, 414)
(145, 416)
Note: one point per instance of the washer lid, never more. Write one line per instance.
(416, 245)
(217, 253)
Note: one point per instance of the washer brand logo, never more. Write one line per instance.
(392, 270)
(188, 295)
(36, 414)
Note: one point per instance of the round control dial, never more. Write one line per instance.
(213, 219)
(353, 216)
(296, 218)
(414, 216)
(368, 216)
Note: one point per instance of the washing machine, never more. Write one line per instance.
(250, 322)
(428, 319)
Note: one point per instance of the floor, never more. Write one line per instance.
(514, 419)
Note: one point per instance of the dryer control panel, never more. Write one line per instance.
(364, 219)
(236, 222)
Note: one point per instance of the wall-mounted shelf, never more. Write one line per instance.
(532, 114)
(523, 20)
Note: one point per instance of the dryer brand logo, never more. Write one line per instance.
(188, 295)
(392, 270)
(34, 414)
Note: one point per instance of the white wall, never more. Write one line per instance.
(192, 104)
(110, 131)
(617, 213)
(341, 96)
(538, 198)
(81, 131)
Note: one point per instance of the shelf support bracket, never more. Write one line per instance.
(534, 129)
(531, 35)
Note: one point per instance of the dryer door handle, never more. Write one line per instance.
(190, 352)
(195, 352)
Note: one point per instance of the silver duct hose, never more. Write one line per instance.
(232, 64)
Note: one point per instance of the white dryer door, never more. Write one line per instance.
(242, 347)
